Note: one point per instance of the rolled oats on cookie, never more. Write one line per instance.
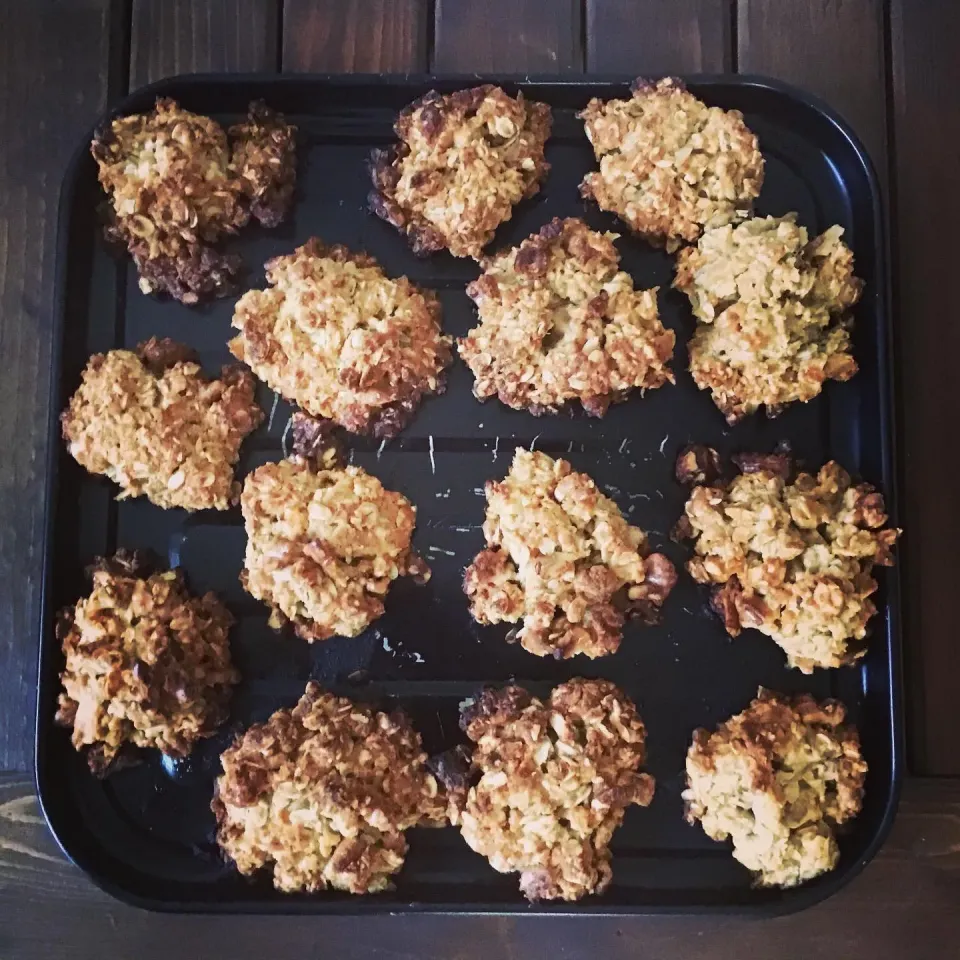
(464, 161)
(549, 782)
(324, 544)
(670, 166)
(772, 309)
(562, 560)
(791, 556)
(777, 779)
(147, 665)
(321, 796)
(154, 424)
(177, 183)
(338, 337)
(561, 323)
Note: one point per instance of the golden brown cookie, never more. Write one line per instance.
(324, 545)
(146, 663)
(463, 162)
(550, 783)
(791, 556)
(561, 558)
(777, 779)
(338, 337)
(177, 182)
(322, 794)
(772, 307)
(559, 322)
(671, 166)
(154, 424)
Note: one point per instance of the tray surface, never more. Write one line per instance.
(146, 834)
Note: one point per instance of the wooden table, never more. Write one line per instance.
(892, 67)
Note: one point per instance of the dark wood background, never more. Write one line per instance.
(892, 67)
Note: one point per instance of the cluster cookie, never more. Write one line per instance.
(324, 545)
(789, 555)
(147, 665)
(772, 309)
(777, 779)
(177, 183)
(560, 322)
(561, 558)
(343, 341)
(670, 166)
(155, 425)
(550, 782)
(322, 795)
(463, 162)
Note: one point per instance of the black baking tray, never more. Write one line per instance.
(146, 835)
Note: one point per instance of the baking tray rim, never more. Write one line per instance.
(796, 899)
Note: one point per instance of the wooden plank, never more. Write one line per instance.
(833, 48)
(363, 36)
(926, 130)
(53, 84)
(650, 38)
(902, 905)
(508, 36)
(193, 36)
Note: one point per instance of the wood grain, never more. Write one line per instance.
(53, 64)
(833, 48)
(926, 77)
(508, 36)
(902, 905)
(363, 36)
(193, 36)
(651, 38)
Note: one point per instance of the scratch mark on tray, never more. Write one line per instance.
(433, 462)
(273, 410)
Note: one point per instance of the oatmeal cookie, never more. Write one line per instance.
(559, 322)
(176, 183)
(154, 424)
(147, 664)
(561, 558)
(777, 779)
(772, 307)
(792, 558)
(324, 545)
(322, 795)
(669, 164)
(342, 340)
(463, 162)
(553, 781)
